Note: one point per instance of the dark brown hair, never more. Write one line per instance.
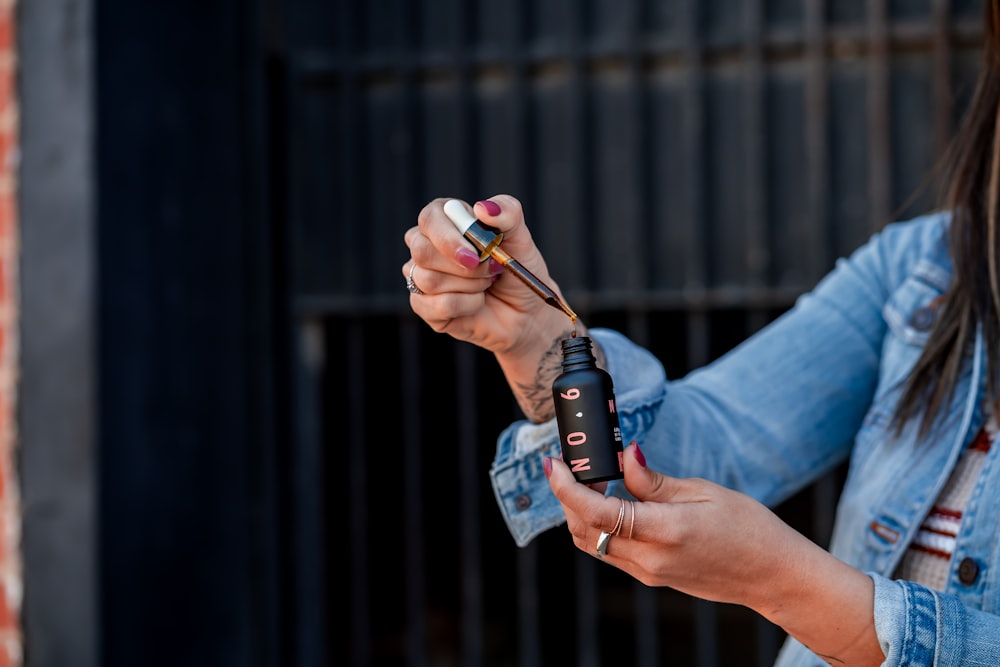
(972, 185)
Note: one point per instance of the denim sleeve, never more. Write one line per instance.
(917, 625)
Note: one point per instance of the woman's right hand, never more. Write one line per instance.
(481, 303)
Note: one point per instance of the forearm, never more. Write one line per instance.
(824, 603)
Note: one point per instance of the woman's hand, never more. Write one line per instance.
(486, 306)
(472, 301)
(717, 544)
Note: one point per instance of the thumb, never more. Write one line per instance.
(643, 482)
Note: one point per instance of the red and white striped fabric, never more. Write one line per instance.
(926, 560)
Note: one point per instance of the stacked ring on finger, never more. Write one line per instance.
(410, 285)
(605, 537)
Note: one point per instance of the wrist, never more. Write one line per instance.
(824, 603)
(533, 364)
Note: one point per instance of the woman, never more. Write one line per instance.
(891, 362)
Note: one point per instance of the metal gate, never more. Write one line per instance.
(687, 168)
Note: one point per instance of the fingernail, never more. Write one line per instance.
(467, 257)
(547, 466)
(496, 268)
(491, 207)
(639, 456)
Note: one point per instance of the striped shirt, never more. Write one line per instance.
(926, 559)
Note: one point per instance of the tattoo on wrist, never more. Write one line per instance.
(536, 398)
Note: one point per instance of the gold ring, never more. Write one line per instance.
(605, 537)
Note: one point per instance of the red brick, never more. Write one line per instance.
(7, 30)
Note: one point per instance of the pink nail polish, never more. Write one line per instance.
(467, 257)
(547, 466)
(496, 268)
(639, 456)
(491, 207)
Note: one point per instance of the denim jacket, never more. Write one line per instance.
(813, 389)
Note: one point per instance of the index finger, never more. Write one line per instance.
(444, 237)
(588, 511)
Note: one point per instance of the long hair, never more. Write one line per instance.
(972, 300)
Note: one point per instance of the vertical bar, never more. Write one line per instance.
(352, 126)
(769, 638)
(825, 493)
(756, 155)
(817, 121)
(361, 603)
(879, 156)
(706, 628)
(694, 150)
(310, 625)
(58, 458)
(357, 462)
(941, 84)
(633, 223)
(588, 610)
(411, 379)
(582, 152)
(522, 156)
(467, 380)
(462, 59)
(529, 622)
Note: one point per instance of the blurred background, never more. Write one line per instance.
(234, 442)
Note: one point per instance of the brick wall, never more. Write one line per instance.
(10, 515)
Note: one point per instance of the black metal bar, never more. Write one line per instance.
(817, 147)
(825, 493)
(755, 186)
(411, 375)
(308, 484)
(588, 610)
(941, 80)
(879, 137)
(471, 581)
(357, 462)
(694, 152)
(529, 620)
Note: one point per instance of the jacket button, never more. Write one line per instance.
(968, 570)
(923, 318)
(522, 502)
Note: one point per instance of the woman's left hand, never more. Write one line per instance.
(688, 534)
(718, 544)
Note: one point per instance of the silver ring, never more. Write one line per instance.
(605, 537)
(410, 285)
(602, 544)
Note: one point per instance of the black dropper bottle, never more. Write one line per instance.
(587, 415)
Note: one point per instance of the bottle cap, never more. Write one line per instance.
(458, 215)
